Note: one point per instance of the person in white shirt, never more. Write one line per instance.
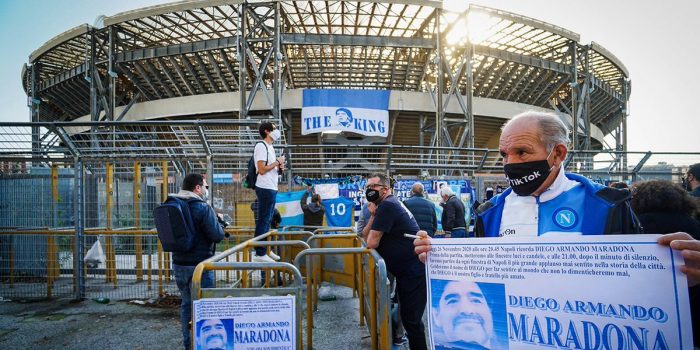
(268, 167)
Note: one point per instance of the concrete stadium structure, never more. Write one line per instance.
(460, 74)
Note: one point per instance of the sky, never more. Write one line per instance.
(657, 41)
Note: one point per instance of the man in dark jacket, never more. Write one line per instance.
(691, 181)
(209, 231)
(422, 209)
(314, 211)
(453, 220)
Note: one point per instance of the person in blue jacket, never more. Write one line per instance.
(210, 230)
(544, 199)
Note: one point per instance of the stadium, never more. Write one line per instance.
(123, 108)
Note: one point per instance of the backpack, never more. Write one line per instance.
(174, 224)
(252, 175)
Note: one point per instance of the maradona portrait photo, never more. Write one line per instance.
(468, 315)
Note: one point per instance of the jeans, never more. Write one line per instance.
(266, 206)
(412, 299)
(458, 233)
(183, 279)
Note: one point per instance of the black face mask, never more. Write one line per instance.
(372, 195)
(527, 177)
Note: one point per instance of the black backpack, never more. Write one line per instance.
(252, 175)
(174, 224)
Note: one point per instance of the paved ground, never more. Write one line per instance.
(61, 324)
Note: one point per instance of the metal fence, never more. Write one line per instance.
(74, 182)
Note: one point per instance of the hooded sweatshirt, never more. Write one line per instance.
(313, 212)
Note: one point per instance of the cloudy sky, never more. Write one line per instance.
(657, 41)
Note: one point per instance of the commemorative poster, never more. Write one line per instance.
(244, 323)
(557, 291)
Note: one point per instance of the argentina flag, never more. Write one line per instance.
(289, 208)
(364, 112)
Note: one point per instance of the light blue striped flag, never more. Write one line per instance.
(289, 208)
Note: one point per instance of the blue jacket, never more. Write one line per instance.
(591, 209)
(423, 211)
(209, 231)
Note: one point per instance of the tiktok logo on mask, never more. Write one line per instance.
(525, 179)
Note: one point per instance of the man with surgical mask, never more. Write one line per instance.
(210, 231)
(542, 198)
(268, 166)
(389, 221)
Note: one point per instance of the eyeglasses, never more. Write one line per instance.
(372, 186)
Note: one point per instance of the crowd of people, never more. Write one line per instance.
(534, 147)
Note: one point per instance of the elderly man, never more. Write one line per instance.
(422, 209)
(453, 221)
(385, 230)
(544, 199)
(462, 315)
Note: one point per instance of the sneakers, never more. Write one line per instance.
(400, 340)
(274, 256)
(262, 258)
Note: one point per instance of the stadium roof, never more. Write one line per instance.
(193, 48)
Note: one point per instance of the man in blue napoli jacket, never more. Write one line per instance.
(544, 199)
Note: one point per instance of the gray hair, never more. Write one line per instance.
(417, 188)
(446, 191)
(553, 131)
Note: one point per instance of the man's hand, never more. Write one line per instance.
(281, 159)
(422, 245)
(690, 250)
(372, 208)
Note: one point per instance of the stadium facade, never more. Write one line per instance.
(453, 78)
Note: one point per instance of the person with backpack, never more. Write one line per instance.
(208, 230)
(267, 166)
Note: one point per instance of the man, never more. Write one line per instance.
(268, 168)
(209, 231)
(344, 117)
(462, 315)
(313, 212)
(691, 181)
(422, 209)
(212, 335)
(384, 231)
(453, 220)
(543, 199)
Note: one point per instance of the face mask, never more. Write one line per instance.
(372, 195)
(525, 178)
(205, 194)
(275, 134)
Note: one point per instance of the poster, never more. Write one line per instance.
(558, 291)
(244, 323)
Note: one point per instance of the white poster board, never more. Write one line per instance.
(558, 291)
(244, 323)
(327, 191)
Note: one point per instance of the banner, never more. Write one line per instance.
(253, 323)
(461, 188)
(559, 291)
(363, 112)
(288, 204)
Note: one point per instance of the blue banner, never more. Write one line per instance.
(363, 112)
(339, 211)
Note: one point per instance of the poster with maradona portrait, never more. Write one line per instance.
(244, 323)
(557, 291)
